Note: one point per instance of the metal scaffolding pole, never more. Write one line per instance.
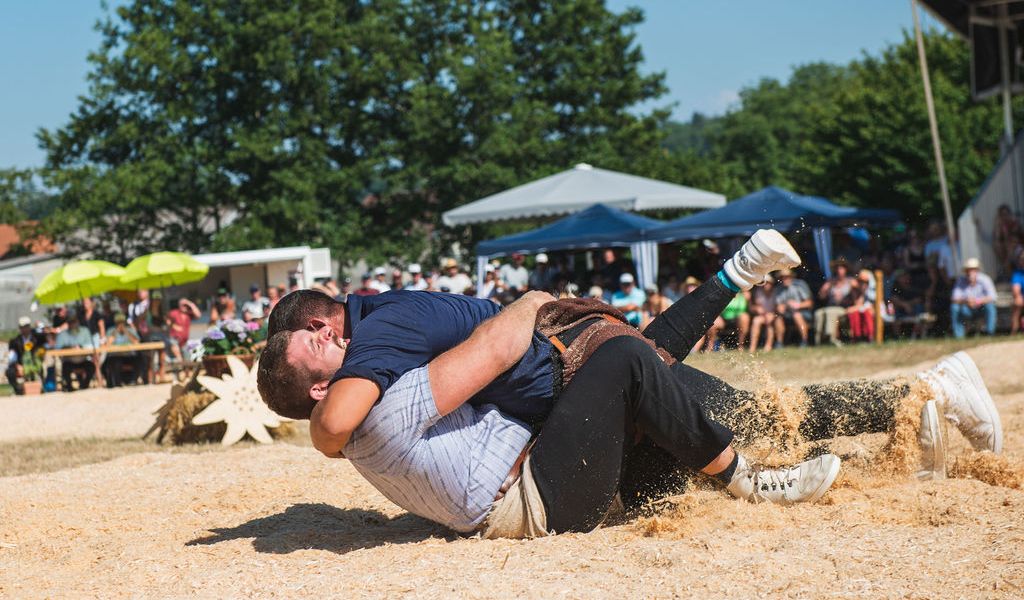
(936, 144)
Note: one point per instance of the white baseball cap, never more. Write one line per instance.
(489, 268)
(626, 278)
(380, 271)
(542, 258)
(415, 268)
(24, 321)
(972, 263)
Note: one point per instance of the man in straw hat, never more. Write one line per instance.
(443, 441)
(974, 296)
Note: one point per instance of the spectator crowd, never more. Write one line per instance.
(98, 327)
(922, 292)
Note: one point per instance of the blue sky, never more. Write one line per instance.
(708, 49)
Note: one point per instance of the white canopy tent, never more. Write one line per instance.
(579, 188)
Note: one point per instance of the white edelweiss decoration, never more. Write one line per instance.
(238, 404)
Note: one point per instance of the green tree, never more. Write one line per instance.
(872, 146)
(226, 124)
(857, 134)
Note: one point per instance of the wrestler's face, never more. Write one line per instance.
(322, 351)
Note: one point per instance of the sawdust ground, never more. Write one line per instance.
(281, 522)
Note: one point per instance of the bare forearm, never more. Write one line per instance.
(330, 444)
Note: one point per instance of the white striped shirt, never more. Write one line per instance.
(446, 469)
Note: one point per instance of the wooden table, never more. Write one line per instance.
(96, 352)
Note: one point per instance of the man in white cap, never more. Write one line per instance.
(24, 342)
(417, 282)
(629, 299)
(541, 278)
(379, 274)
(974, 296)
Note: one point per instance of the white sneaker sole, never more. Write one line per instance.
(930, 420)
(985, 405)
(770, 242)
(833, 472)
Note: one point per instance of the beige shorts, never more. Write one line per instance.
(519, 514)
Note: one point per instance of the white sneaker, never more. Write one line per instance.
(964, 399)
(766, 251)
(806, 482)
(933, 443)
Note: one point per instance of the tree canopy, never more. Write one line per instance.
(856, 134)
(225, 124)
(232, 124)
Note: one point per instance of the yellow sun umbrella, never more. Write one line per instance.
(162, 269)
(79, 279)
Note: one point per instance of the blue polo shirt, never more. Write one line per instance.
(398, 331)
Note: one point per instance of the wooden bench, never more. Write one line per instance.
(95, 353)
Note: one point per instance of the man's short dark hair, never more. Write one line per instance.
(282, 385)
(294, 310)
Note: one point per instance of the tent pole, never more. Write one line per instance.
(1004, 64)
(936, 144)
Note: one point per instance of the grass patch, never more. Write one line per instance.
(6, 390)
(47, 456)
(828, 362)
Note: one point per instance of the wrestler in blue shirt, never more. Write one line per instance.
(395, 332)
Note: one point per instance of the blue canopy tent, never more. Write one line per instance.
(599, 226)
(777, 208)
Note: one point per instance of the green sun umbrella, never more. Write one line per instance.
(162, 269)
(79, 279)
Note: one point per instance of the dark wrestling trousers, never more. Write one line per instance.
(587, 449)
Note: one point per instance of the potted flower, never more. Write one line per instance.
(32, 369)
(227, 337)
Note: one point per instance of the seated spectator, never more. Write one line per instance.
(912, 258)
(257, 306)
(542, 277)
(25, 342)
(629, 299)
(837, 294)
(274, 296)
(654, 306)
(93, 320)
(861, 313)
(734, 316)
(397, 280)
(974, 296)
(379, 283)
(793, 302)
(366, 289)
(907, 301)
(492, 288)
(180, 320)
(122, 368)
(457, 282)
(1017, 287)
(513, 275)
(81, 367)
(938, 246)
(707, 261)
(1007, 237)
(416, 279)
(689, 284)
(764, 315)
(671, 288)
(223, 308)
